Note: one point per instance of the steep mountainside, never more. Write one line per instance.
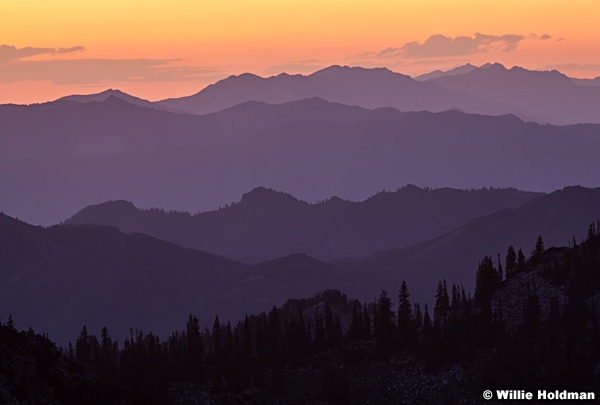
(60, 278)
(559, 217)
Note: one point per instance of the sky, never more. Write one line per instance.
(161, 49)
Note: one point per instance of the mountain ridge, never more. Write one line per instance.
(368, 88)
(552, 95)
(269, 224)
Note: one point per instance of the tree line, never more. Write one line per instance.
(555, 345)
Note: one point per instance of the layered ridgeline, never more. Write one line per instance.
(56, 279)
(367, 88)
(267, 224)
(61, 277)
(532, 323)
(491, 89)
(550, 96)
(61, 156)
(558, 217)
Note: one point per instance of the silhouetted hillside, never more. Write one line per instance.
(530, 323)
(57, 279)
(266, 224)
(33, 371)
(558, 217)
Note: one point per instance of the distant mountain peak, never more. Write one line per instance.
(113, 208)
(493, 66)
(114, 98)
(335, 71)
(459, 70)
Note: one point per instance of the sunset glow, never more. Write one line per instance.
(156, 49)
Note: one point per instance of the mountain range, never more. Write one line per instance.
(59, 157)
(367, 88)
(491, 89)
(62, 277)
(559, 218)
(59, 278)
(267, 224)
(550, 94)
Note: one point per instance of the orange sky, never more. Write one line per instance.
(158, 49)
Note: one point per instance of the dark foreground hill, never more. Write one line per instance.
(267, 224)
(34, 371)
(532, 324)
(558, 217)
(62, 277)
(58, 278)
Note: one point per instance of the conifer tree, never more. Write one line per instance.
(194, 354)
(442, 305)
(521, 262)
(404, 315)
(510, 262)
(539, 247)
(83, 350)
(384, 332)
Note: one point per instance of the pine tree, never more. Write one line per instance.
(106, 365)
(511, 262)
(194, 357)
(404, 315)
(521, 262)
(217, 342)
(442, 306)
(539, 247)
(384, 332)
(83, 350)
(486, 282)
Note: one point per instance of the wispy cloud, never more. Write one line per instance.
(9, 53)
(442, 50)
(15, 66)
(441, 45)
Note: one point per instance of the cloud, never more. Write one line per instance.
(93, 71)
(16, 65)
(441, 45)
(545, 37)
(388, 52)
(9, 53)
